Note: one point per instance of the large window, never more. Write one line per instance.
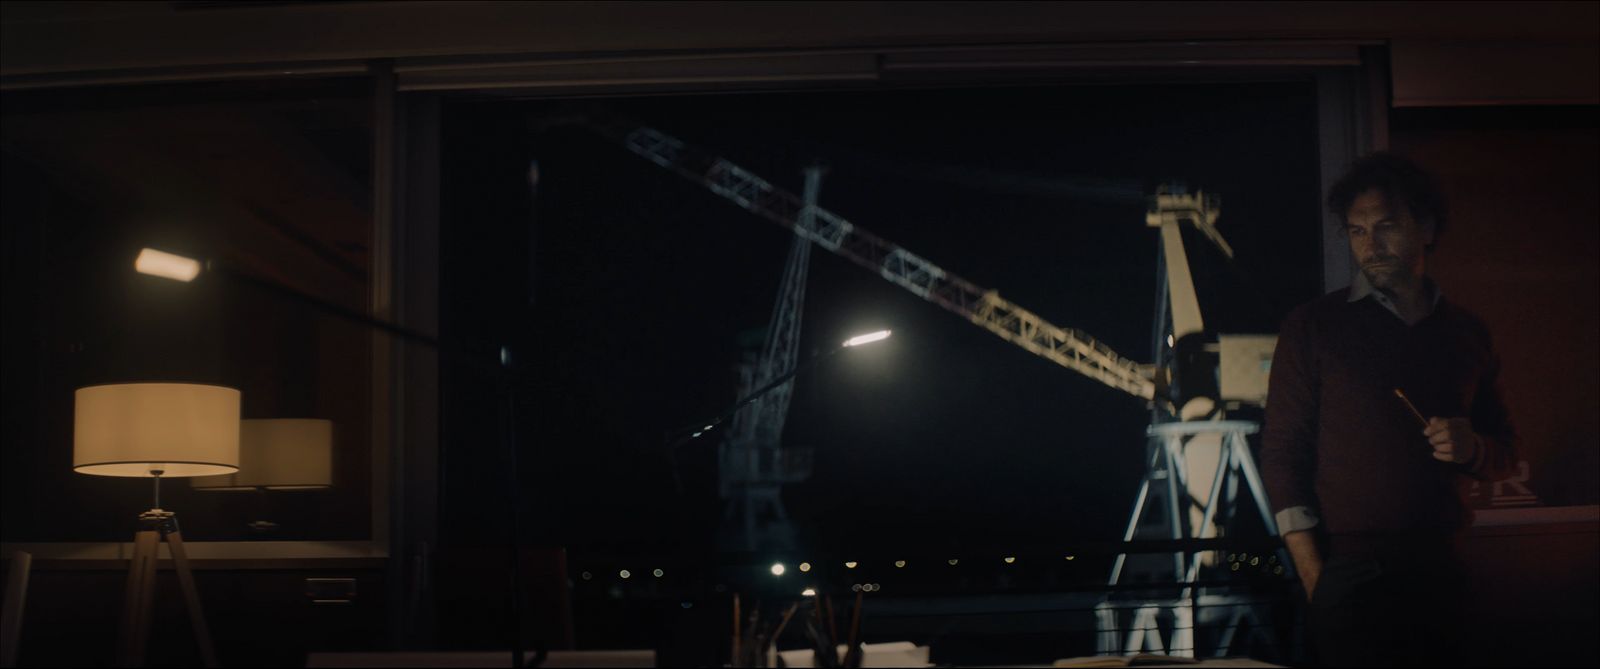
(646, 289)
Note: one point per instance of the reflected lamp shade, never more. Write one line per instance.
(145, 429)
(279, 454)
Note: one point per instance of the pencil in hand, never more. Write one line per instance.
(1412, 408)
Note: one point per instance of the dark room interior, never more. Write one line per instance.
(765, 333)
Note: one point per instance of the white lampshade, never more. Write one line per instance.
(136, 429)
(279, 454)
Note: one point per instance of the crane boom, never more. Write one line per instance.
(1067, 347)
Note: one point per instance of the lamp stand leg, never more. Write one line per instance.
(134, 634)
(136, 604)
(191, 596)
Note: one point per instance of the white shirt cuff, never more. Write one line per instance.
(1295, 519)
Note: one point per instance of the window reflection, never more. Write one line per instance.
(273, 179)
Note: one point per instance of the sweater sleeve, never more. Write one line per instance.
(1288, 443)
(1496, 459)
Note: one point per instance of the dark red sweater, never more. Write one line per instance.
(1338, 441)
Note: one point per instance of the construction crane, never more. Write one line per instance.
(1069, 348)
(752, 465)
(1189, 385)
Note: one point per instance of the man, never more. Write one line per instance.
(1369, 493)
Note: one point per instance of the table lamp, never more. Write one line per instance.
(277, 454)
(156, 430)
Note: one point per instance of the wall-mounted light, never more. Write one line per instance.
(166, 265)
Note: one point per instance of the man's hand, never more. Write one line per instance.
(1452, 439)
(1307, 559)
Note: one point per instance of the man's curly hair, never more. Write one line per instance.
(1399, 180)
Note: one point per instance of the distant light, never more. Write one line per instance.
(695, 435)
(624, 573)
(850, 565)
(805, 566)
(855, 587)
(1071, 557)
(952, 562)
(899, 564)
(587, 576)
(658, 573)
(1255, 561)
(777, 569)
(708, 427)
(505, 355)
(1278, 569)
(867, 338)
(872, 587)
(1169, 341)
(687, 605)
(808, 592)
(1010, 559)
(168, 265)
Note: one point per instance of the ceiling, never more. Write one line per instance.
(54, 38)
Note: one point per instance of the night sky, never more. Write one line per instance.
(643, 285)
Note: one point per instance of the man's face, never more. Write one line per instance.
(1386, 242)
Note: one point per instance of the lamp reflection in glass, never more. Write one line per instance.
(278, 454)
(866, 338)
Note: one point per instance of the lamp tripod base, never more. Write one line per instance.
(156, 526)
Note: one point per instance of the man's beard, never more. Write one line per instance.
(1385, 273)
